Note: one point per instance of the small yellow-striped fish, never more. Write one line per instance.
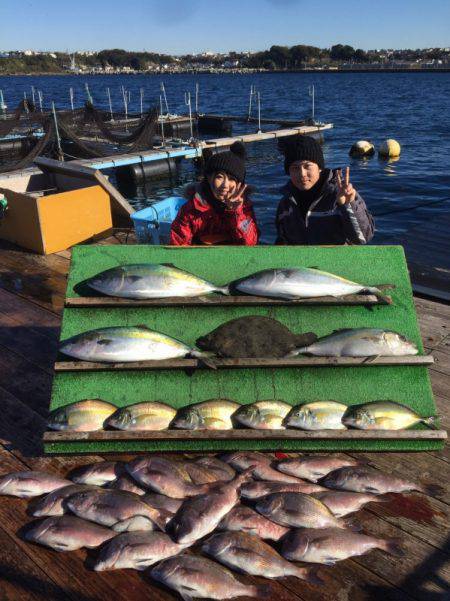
(148, 415)
(209, 415)
(318, 415)
(383, 415)
(83, 416)
(263, 415)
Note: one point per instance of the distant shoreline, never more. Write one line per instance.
(231, 72)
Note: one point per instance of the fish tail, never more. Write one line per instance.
(205, 358)
(245, 475)
(297, 351)
(379, 294)
(430, 422)
(310, 575)
(258, 591)
(431, 489)
(223, 290)
(393, 547)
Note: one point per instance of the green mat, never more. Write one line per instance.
(369, 265)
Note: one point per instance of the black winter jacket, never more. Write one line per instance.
(326, 222)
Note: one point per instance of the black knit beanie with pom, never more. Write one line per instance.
(231, 162)
(301, 148)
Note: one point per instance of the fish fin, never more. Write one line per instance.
(204, 359)
(385, 423)
(431, 489)
(144, 326)
(223, 290)
(430, 422)
(393, 547)
(169, 265)
(352, 524)
(184, 595)
(380, 296)
(311, 575)
(342, 330)
(313, 267)
(134, 278)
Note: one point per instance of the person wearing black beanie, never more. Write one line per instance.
(319, 205)
(218, 210)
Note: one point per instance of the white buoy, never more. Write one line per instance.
(389, 149)
(362, 148)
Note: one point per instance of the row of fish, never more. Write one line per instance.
(223, 414)
(299, 514)
(150, 280)
(250, 336)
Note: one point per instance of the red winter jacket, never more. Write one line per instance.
(200, 222)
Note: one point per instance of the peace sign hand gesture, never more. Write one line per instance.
(346, 192)
(236, 198)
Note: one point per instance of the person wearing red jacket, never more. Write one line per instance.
(218, 209)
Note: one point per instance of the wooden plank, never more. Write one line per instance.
(267, 135)
(245, 434)
(62, 366)
(27, 313)
(216, 300)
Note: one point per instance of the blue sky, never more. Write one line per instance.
(182, 26)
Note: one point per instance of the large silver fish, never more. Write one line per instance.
(313, 467)
(97, 474)
(200, 515)
(136, 550)
(302, 282)
(67, 533)
(150, 280)
(244, 519)
(87, 415)
(329, 545)
(363, 478)
(261, 464)
(360, 342)
(318, 415)
(164, 476)
(194, 576)
(125, 343)
(30, 484)
(383, 415)
(249, 554)
(298, 510)
(148, 415)
(123, 511)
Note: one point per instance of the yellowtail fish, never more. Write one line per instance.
(148, 415)
(313, 467)
(67, 533)
(263, 415)
(30, 484)
(194, 576)
(208, 415)
(360, 342)
(83, 416)
(318, 415)
(302, 282)
(249, 554)
(383, 415)
(149, 280)
(329, 545)
(125, 343)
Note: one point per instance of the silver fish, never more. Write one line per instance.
(67, 533)
(297, 510)
(125, 343)
(87, 415)
(329, 545)
(136, 550)
(194, 576)
(97, 474)
(150, 280)
(30, 484)
(256, 490)
(263, 415)
(313, 467)
(369, 480)
(383, 415)
(341, 503)
(360, 342)
(148, 415)
(222, 470)
(249, 554)
(301, 282)
(318, 415)
(164, 476)
(111, 507)
(262, 469)
(201, 515)
(53, 503)
(244, 519)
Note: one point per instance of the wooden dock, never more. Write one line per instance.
(32, 290)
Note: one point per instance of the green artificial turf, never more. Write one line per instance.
(369, 265)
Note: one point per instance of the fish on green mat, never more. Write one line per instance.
(263, 415)
(125, 343)
(318, 415)
(151, 280)
(147, 415)
(302, 282)
(360, 342)
(383, 415)
(214, 414)
(87, 415)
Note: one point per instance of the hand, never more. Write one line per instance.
(346, 192)
(236, 199)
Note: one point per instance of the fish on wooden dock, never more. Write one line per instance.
(67, 533)
(28, 484)
(313, 467)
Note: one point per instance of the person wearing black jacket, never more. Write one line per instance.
(319, 205)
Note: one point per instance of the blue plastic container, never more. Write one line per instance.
(152, 224)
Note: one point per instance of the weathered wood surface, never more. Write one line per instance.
(31, 297)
